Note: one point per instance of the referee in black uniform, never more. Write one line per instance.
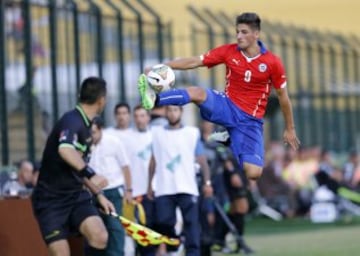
(61, 203)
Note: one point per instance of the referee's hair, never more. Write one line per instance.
(92, 88)
(249, 18)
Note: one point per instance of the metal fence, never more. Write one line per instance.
(323, 71)
(49, 46)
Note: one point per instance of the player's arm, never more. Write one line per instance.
(278, 79)
(68, 149)
(152, 166)
(127, 178)
(186, 63)
(286, 108)
(204, 167)
(124, 162)
(72, 157)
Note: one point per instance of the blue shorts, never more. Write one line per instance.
(246, 131)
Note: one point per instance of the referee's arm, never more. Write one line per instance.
(70, 155)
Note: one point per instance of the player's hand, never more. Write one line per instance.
(105, 204)
(128, 197)
(290, 138)
(235, 180)
(150, 193)
(211, 219)
(208, 191)
(100, 181)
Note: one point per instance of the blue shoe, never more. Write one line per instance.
(147, 94)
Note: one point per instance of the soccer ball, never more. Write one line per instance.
(161, 78)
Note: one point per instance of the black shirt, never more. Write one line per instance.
(72, 130)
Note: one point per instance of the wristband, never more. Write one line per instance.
(87, 172)
(208, 183)
(129, 190)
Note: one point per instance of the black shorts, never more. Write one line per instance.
(60, 215)
(235, 192)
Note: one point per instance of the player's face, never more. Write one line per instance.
(95, 134)
(122, 117)
(246, 36)
(101, 104)
(173, 114)
(141, 119)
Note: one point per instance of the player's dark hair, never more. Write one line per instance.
(137, 107)
(98, 122)
(122, 105)
(92, 88)
(249, 18)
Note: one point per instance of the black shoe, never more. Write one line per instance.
(222, 137)
(244, 248)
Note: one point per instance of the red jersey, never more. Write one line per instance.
(248, 80)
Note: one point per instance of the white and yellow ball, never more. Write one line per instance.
(161, 78)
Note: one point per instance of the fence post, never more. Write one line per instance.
(76, 43)
(99, 37)
(29, 81)
(171, 40)
(119, 18)
(227, 19)
(160, 42)
(211, 39)
(221, 23)
(356, 63)
(313, 113)
(301, 94)
(53, 58)
(140, 34)
(325, 118)
(335, 110)
(3, 101)
(347, 97)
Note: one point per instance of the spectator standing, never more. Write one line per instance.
(139, 151)
(109, 159)
(122, 121)
(175, 149)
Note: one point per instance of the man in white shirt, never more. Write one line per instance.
(109, 159)
(175, 150)
(122, 121)
(138, 147)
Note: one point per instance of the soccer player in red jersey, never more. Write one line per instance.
(251, 71)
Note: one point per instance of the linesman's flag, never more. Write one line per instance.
(143, 235)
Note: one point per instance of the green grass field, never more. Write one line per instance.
(300, 237)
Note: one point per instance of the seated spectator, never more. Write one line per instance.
(350, 170)
(20, 183)
(327, 165)
(272, 187)
(299, 174)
